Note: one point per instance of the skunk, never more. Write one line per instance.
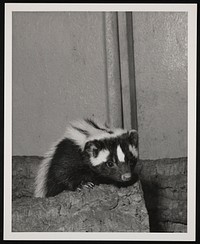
(89, 153)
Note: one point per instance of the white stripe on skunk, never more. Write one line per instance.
(102, 157)
(94, 134)
(120, 154)
(40, 181)
(104, 135)
(133, 150)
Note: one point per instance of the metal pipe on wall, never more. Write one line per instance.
(127, 69)
(121, 87)
(115, 112)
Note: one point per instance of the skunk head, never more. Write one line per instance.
(113, 157)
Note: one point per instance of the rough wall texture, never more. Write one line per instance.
(58, 75)
(160, 48)
(164, 183)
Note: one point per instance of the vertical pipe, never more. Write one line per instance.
(127, 70)
(115, 112)
(131, 61)
(124, 69)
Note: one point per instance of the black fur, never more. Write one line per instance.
(70, 167)
(67, 170)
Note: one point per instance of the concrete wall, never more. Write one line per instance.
(58, 75)
(160, 47)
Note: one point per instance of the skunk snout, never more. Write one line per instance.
(126, 177)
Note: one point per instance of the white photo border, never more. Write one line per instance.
(191, 9)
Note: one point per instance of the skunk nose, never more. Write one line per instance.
(126, 176)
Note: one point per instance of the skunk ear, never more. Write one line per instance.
(133, 137)
(93, 148)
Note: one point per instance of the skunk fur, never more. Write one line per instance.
(89, 153)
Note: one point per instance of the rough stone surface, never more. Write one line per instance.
(24, 169)
(101, 209)
(164, 183)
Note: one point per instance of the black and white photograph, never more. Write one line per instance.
(100, 121)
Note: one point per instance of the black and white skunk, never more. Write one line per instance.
(88, 154)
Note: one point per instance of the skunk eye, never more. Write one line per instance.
(110, 164)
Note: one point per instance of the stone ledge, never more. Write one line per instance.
(101, 209)
(164, 183)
